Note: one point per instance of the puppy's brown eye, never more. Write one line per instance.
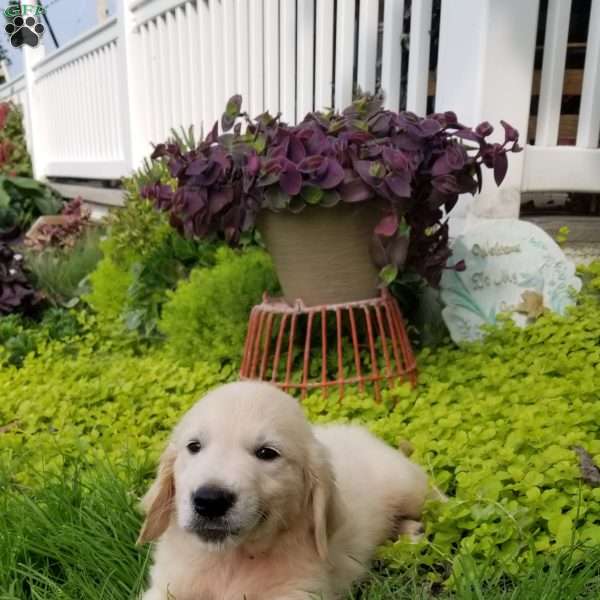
(194, 447)
(267, 453)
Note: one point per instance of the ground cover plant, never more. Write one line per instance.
(494, 423)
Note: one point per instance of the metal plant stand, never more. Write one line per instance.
(302, 348)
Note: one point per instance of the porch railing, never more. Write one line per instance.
(94, 107)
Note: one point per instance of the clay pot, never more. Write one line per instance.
(322, 254)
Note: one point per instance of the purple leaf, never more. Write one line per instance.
(510, 133)
(253, 164)
(500, 167)
(378, 252)
(355, 191)
(290, 179)
(388, 226)
(322, 171)
(467, 134)
(484, 129)
(399, 185)
(446, 184)
(429, 127)
(441, 166)
(398, 250)
(219, 199)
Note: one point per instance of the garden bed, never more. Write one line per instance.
(494, 424)
(115, 332)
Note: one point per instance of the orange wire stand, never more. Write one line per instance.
(302, 348)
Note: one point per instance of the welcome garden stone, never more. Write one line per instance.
(513, 267)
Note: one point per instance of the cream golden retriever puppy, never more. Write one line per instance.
(252, 503)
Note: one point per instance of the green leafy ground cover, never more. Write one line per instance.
(494, 424)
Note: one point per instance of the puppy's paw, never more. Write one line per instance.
(414, 530)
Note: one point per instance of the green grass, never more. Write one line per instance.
(60, 273)
(74, 539)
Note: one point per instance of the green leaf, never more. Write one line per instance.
(297, 204)
(47, 204)
(403, 228)
(276, 199)
(562, 527)
(234, 104)
(311, 194)
(25, 183)
(4, 198)
(377, 169)
(330, 198)
(388, 274)
(259, 144)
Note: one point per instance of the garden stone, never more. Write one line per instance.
(512, 267)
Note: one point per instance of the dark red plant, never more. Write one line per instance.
(16, 292)
(5, 108)
(75, 219)
(412, 169)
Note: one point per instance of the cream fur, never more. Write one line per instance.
(335, 493)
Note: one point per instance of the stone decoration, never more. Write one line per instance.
(512, 266)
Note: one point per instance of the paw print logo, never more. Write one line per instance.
(24, 31)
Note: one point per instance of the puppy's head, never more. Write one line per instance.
(242, 465)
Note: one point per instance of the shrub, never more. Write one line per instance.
(20, 336)
(134, 231)
(15, 341)
(143, 258)
(109, 285)
(14, 157)
(206, 317)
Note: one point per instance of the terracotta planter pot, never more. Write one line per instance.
(322, 254)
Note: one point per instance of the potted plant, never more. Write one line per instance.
(344, 201)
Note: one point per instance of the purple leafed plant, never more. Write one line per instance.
(76, 220)
(411, 169)
(16, 292)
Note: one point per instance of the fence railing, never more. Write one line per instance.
(99, 102)
(79, 99)
(548, 165)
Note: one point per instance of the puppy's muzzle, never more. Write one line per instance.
(212, 502)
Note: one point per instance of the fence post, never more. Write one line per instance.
(485, 72)
(131, 109)
(33, 112)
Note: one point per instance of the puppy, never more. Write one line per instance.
(252, 503)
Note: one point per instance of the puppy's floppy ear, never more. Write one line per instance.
(158, 503)
(323, 502)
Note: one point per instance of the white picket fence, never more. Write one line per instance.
(571, 168)
(94, 106)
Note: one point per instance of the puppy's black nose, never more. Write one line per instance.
(211, 502)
